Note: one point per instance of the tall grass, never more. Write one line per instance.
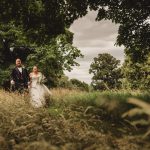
(74, 121)
(142, 110)
(111, 100)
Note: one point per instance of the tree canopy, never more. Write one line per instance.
(77, 84)
(42, 26)
(43, 18)
(106, 72)
(38, 23)
(137, 75)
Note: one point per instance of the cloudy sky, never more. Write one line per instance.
(92, 38)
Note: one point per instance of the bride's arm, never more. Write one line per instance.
(42, 78)
(30, 77)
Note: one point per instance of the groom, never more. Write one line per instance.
(19, 77)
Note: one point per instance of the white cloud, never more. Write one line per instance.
(92, 38)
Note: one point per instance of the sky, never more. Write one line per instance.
(92, 38)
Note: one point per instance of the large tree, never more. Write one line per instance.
(136, 75)
(55, 57)
(50, 17)
(40, 19)
(106, 72)
(40, 25)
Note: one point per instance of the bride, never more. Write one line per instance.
(38, 91)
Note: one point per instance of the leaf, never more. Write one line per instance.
(133, 112)
(87, 109)
(146, 134)
(140, 122)
(139, 103)
(145, 106)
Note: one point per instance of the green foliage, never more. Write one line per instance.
(134, 33)
(11, 36)
(64, 82)
(52, 18)
(5, 76)
(37, 24)
(137, 74)
(41, 19)
(132, 17)
(54, 58)
(77, 84)
(72, 84)
(42, 26)
(106, 74)
(32, 16)
(134, 29)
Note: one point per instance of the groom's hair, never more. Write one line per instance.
(18, 59)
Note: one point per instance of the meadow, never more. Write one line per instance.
(76, 120)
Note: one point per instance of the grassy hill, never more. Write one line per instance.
(74, 120)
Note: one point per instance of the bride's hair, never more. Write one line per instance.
(37, 67)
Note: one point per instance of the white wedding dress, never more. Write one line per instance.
(38, 91)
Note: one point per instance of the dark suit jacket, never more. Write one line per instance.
(20, 79)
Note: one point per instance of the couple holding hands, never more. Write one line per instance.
(21, 80)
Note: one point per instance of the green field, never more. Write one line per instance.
(76, 120)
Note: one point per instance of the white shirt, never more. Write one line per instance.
(20, 69)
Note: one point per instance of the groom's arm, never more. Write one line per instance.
(12, 77)
(27, 78)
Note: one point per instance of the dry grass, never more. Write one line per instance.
(60, 93)
(142, 109)
(62, 127)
